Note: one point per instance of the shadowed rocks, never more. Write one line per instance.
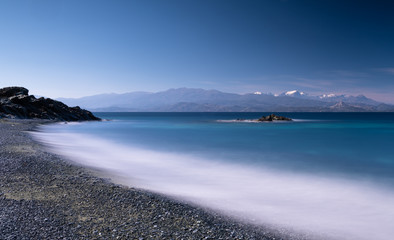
(15, 102)
(273, 117)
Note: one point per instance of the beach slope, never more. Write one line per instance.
(43, 196)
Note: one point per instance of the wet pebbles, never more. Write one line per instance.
(45, 197)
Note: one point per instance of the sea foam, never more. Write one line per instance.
(330, 207)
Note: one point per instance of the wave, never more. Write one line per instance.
(255, 121)
(328, 207)
(239, 121)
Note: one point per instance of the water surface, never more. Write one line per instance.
(330, 174)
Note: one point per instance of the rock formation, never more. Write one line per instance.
(273, 117)
(15, 102)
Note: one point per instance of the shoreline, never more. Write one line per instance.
(46, 197)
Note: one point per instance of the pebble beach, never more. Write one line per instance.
(43, 196)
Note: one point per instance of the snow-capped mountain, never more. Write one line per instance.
(201, 100)
(360, 99)
(328, 95)
(331, 98)
(293, 93)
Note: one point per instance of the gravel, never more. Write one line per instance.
(43, 196)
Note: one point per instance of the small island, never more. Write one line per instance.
(273, 117)
(269, 118)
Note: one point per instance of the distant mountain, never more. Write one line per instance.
(344, 107)
(332, 97)
(200, 100)
(294, 93)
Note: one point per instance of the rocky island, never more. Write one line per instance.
(15, 102)
(273, 117)
(269, 118)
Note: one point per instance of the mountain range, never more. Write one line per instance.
(200, 100)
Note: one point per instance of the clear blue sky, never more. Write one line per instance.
(78, 48)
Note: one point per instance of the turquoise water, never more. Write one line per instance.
(326, 173)
(354, 144)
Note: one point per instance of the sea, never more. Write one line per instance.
(327, 175)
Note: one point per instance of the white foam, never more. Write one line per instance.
(338, 209)
(239, 121)
(256, 121)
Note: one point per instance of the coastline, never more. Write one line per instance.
(46, 197)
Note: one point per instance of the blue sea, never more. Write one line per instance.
(330, 175)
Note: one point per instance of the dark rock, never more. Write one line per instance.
(15, 102)
(273, 117)
(13, 91)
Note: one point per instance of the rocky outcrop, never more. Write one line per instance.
(15, 102)
(273, 117)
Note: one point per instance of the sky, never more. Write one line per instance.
(79, 48)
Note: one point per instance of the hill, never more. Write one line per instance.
(200, 100)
